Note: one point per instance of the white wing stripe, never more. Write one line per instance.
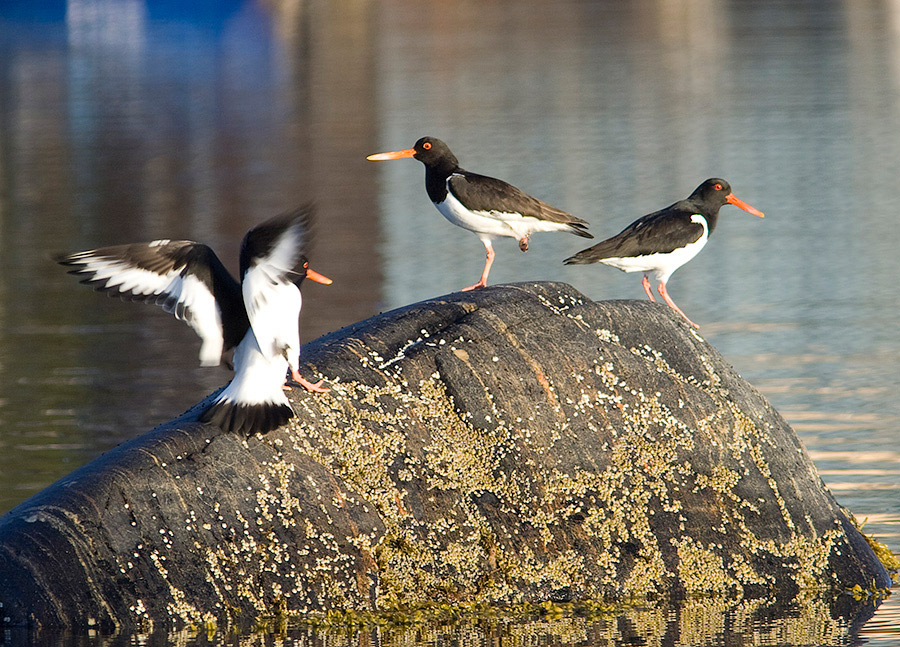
(272, 302)
(186, 297)
(273, 308)
(201, 312)
(126, 277)
(284, 252)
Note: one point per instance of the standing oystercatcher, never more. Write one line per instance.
(259, 317)
(663, 241)
(489, 207)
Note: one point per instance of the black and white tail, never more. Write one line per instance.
(247, 419)
(253, 401)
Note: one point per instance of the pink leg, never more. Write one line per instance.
(646, 284)
(306, 384)
(665, 295)
(487, 269)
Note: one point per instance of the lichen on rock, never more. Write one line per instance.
(514, 445)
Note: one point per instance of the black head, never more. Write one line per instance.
(299, 271)
(303, 271)
(714, 193)
(431, 151)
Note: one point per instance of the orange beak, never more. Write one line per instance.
(731, 199)
(318, 278)
(393, 155)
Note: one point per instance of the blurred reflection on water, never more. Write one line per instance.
(126, 120)
(692, 623)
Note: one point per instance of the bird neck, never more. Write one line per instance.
(704, 209)
(711, 219)
(436, 180)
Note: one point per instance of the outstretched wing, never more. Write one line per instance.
(181, 276)
(272, 259)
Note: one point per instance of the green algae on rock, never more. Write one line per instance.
(811, 619)
(514, 445)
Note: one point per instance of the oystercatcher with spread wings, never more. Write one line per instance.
(259, 316)
(486, 206)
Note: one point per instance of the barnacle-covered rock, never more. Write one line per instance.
(514, 444)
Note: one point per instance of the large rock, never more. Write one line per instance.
(518, 443)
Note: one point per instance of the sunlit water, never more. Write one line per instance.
(122, 120)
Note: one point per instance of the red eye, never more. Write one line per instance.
(718, 187)
(427, 145)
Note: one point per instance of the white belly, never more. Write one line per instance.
(274, 311)
(257, 378)
(494, 224)
(662, 265)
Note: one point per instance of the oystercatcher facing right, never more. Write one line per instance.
(661, 242)
(258, 316)
(486, 206)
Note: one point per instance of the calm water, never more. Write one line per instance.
(125, 120)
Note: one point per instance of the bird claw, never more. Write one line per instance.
(523, 244)
(306, 384)
(315, 387)
(477, 286)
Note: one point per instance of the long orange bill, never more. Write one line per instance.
(393, 155)
(731, 199)
(318, 278)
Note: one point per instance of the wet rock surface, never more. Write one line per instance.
(515, 444)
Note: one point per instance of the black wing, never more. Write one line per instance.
(279, 244)
(492, 197)
(657, 233)
(183, 277)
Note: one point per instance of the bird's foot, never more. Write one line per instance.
(523, 244)
(315, 387)
(477, 286)
(665, 295)
(678, 310)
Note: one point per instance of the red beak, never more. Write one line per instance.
(318, 278)
(731, 199)
(393, 155)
